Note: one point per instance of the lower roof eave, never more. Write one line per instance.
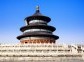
(51, 36)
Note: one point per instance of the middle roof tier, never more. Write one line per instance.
(47, 27)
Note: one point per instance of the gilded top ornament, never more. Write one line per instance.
(37, 7)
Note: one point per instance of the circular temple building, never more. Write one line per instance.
(37, 30)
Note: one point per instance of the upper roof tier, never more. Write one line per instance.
(37, 16)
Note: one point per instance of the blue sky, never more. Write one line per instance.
(67, 16)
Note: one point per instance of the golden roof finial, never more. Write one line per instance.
(37, 7)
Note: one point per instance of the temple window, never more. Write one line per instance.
(35, 21)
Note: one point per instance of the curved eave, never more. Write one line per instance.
(38, 35)
(44, 18)
(51, 28)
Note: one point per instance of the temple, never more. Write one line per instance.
(37, 30)
(37, 44)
